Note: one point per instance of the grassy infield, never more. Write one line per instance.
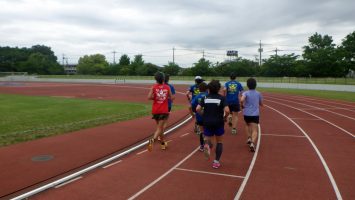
(26, 118)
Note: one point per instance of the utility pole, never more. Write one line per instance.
(114, 57)
(63, 58)
(173, 55)
(203, 54)
(260, 50)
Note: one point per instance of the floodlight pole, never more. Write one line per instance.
(173, 55)
(114, 57)
(260, 50)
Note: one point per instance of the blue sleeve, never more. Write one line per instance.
(172, 89)
(194, 103)
(191, 89)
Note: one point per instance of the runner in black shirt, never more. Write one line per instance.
(214, 110)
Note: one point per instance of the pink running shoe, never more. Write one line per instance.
(207, 151)
(216, 164)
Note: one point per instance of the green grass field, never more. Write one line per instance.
(345, 96)
(26, 118)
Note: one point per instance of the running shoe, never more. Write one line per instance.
(158, 138)
(216, 164)
(207, 151)
(201, 148)
(164, 145)
(197, 129)
(249, 140)
(230, 121)
(252, 147)
(234, 131)
(150, 145)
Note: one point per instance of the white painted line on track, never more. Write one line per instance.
(112, 164)
(66, 183)
(315, 116)
(162, 176)
(328, 102)
(297, 136)
(306, 119)
(92, 167)
(184, 134)
(314, 107)
(330, 176)
(212, 173)
(139, 153)
(251, 166)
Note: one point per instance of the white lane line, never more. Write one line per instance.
(92, 167)
(162, 176)
(307, 119)
(139, 153)
(315, 107)
(212, 173)
(114, 163)
(328, 102)
(298, 136)
(66, 183)
(329, 173)
(185, 135)
(242, 186)
(315, 116)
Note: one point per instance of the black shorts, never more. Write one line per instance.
(160, 116)
(251, 119)
(234, 107)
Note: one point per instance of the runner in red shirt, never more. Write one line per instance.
(160, 94)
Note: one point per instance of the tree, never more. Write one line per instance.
(124, 60)
(347, 51)
(38, 59)
(172, 69)
(93, 64)
(201, 68)
(240, 66)
(37, 63)
(137, 62)
(321, 56)
(44, 50)
(147, 69)
(280, 65)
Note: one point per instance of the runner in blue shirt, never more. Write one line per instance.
(232, 91)
(195, 101)
(250, 101)
(190, 94)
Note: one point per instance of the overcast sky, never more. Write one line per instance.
(153, 27)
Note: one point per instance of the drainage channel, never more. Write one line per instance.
(92, 167)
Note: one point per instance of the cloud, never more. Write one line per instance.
(81, 27)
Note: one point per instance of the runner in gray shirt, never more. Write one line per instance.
(250, 101)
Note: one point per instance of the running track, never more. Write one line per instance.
(306, 151)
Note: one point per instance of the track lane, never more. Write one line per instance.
(336, 146)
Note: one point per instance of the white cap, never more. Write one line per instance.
(198, 77)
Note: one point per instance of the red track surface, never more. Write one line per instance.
(287, 165)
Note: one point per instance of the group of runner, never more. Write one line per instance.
(211, 110)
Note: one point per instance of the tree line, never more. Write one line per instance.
(38, 59)
(320, 58)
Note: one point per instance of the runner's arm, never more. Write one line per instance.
(150, 94)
